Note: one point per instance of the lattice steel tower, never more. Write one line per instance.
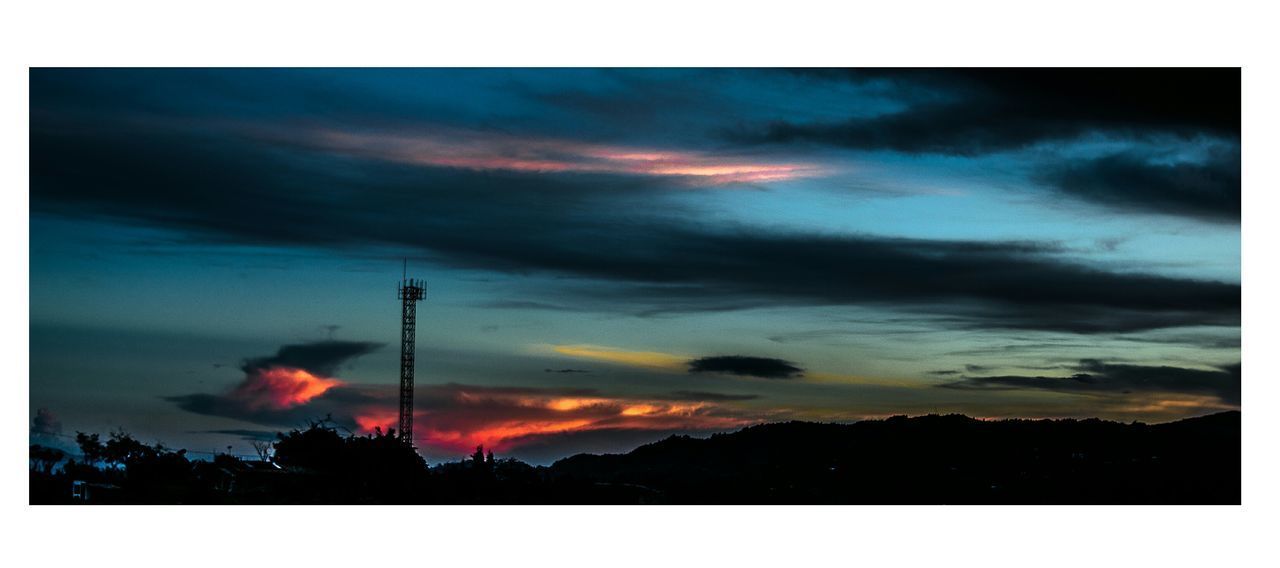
(409, 292)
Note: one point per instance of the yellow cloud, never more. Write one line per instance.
(645, 359)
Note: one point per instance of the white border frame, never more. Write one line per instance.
(652, 33)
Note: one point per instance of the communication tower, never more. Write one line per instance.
(409, 291)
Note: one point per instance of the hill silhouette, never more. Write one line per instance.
(935, 459)
(931, 459)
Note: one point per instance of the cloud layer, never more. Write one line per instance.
(1097, 377)
(597, 212)
(974, 112)
(1209, 189)
(571, 225)
(977, 111)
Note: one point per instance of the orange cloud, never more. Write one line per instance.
(1174, 404)
(463, 417)
(377, 419)
(280, 387)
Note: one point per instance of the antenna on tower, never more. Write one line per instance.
(409, 292)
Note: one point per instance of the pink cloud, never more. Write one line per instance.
(476, 150)
(457, 418)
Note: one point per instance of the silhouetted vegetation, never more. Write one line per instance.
(928, 459)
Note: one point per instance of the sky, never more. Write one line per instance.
(613, 256)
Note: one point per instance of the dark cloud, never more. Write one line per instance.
(524, 305)
(1203, 341)
(1090, 319)
(1019, 348)
(247, 435)
(594, 227)
(979, 285)
(762, 367)
(1095, 376)
(812, 335)
(636, 98)
(565, 371)
(1208, 190)
(977, 111)
(321, 357)
(711, 396)
(336, 404)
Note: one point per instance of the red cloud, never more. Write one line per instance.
(457, 418)
(280, 387)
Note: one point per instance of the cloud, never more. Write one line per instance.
(614, 355)
(46, 430)
(46, 423)
(977, 111)
(281, 388)
(458, 417)
(1208, 190)
(762, 367)
(321, 357)
(494, 151)
(524, 305)
(1201, 340)
(593, 227)
(731, 364)
(247, 435)
(711, 396)
(1097, 377)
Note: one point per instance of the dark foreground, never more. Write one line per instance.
(922, 460)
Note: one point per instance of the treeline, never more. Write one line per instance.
(316, 465)
(928, 459)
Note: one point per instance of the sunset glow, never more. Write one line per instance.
(375, 420)
(504, 419)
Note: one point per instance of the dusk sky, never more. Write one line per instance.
(613, 256)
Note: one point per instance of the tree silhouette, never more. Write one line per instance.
(44, 458)
(263, 448)
(91, 450)
(899, 460)
(121, 449)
